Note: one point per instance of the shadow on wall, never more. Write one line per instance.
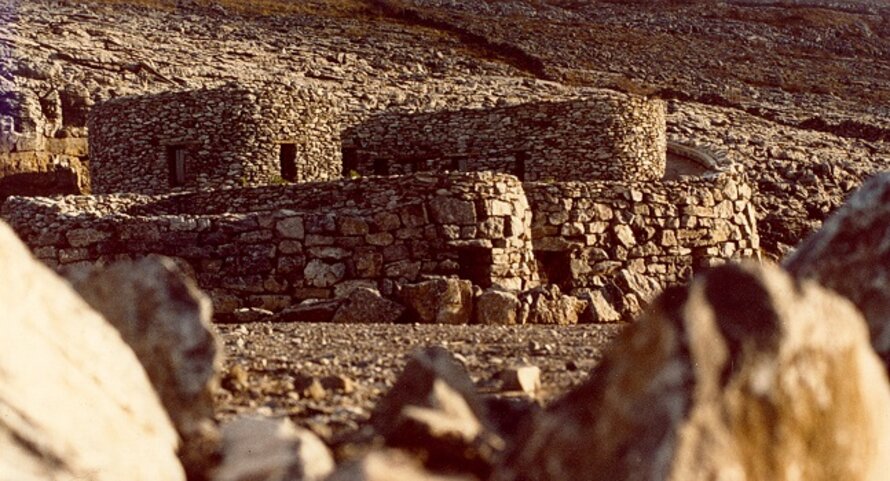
(57, 182)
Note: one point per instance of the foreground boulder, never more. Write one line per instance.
(433, 410)
(74, 401)
(260, 449)
(851, 255)
(166, 319)
(439, 301)
(745, 375)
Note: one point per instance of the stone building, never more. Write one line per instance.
(604, 137)
(570, 192)
(232, 136)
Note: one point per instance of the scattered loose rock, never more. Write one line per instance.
(260, 449)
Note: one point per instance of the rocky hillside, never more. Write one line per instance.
(796, 91)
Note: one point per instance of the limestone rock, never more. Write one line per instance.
(851, 255)
(166, 319)
(548, 305)
(74, 401)
(495, 306)
(321, 274)
(439, 300)
(745, 374)
(623, 298)
(433, 408)
(389, 465)
(526, 379)
(258, 449)
(367, 305)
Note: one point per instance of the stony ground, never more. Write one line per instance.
(272, 367)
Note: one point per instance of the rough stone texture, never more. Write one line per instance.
(497, 307)
(441, 300)
(746, 374)
(585, 232)
(851, 255)
(259, 449)
(273, 247)
(367, 305)
(547, 305)
(433, 408)
(74, 401)
(389, 465)
(231, 136)
(623, 298)
(605, 136)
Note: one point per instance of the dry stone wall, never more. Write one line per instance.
(274, 246)
(603, 136)
(585, 232)
(230, 137)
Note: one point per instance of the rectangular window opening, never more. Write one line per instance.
(287, 160)
(176, 160)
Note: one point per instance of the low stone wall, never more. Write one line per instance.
(584, 232)
(605, 136)
(229, 136)
(275, 246)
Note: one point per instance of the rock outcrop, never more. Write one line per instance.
(851, 255)
(74, 401)
(746, 374)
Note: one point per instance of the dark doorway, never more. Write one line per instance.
(521, 160)
(475, 265)
(287, 160)
(176, 169)
(350, 161)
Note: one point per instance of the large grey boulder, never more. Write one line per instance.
(75, 403)
(744, 375)
(495, 306)
(851, 255)
(440, 300)
(261, 449)
(366, 305)
(166, 319)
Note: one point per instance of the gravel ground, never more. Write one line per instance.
(327, 377)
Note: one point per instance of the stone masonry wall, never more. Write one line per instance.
(280, 245)
(604, 136)
(231, 136)
(584, 232)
